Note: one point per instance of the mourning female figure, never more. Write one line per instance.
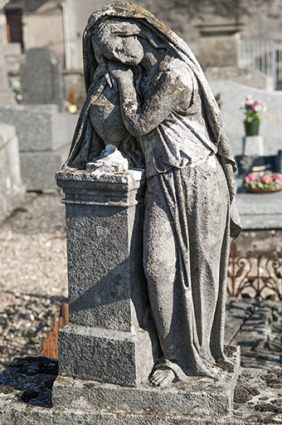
(147, 96)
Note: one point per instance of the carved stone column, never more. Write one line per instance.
(105, 339)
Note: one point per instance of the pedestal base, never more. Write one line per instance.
(253, 145)
(105, 355)
(199, 399)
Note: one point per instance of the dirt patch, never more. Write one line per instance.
(242, 394)
(274, 379)
(229, 350)
(275, 407)
(222, 364)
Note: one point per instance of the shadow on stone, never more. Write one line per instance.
(30, 380)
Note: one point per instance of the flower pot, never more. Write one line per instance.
(251, 128)
(261, 190)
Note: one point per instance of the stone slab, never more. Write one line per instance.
(259, 211)
(253, 145)
(200, 396)
(232, 97)
(15, 414)
(12, 189)
(39, 128)
(246, 76)
(38, 168)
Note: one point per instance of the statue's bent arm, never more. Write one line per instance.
(172, 90)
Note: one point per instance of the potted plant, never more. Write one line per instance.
(252, 110)
(263, 182)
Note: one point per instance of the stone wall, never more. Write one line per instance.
(262, 20)
(11, 187)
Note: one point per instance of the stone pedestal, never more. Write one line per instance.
(253, 146)
(200, 401)
(108, 338)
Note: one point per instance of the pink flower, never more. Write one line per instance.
(266, 179)
(277, 178)
(255, 106)
(250, 178)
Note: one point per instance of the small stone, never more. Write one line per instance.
(29, 395)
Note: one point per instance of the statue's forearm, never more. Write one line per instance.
(139, 120)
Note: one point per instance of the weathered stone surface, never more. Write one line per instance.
(99, 354)
(23, 415)
(200, 396)
(41, 80)
(218, 49)
(11, 187)
(104, 249)
(108, 302)
(25, 390)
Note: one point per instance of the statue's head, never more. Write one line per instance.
(118, 39)
(118, 32)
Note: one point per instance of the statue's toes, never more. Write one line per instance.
(162, 378)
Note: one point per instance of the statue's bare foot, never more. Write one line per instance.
(162, 377)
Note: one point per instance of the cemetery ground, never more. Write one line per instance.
(33, 276)
(33, 286)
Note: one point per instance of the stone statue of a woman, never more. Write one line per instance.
(147, 96)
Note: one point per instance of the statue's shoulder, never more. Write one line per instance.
(180, 73)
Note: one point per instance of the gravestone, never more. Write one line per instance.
(44, 135)
(41, 79)
(12, 189)
(253, 146)
(233, 96)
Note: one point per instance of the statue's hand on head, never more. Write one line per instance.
(120, 71)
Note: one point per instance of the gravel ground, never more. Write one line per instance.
(33, 286)
(33, 274)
